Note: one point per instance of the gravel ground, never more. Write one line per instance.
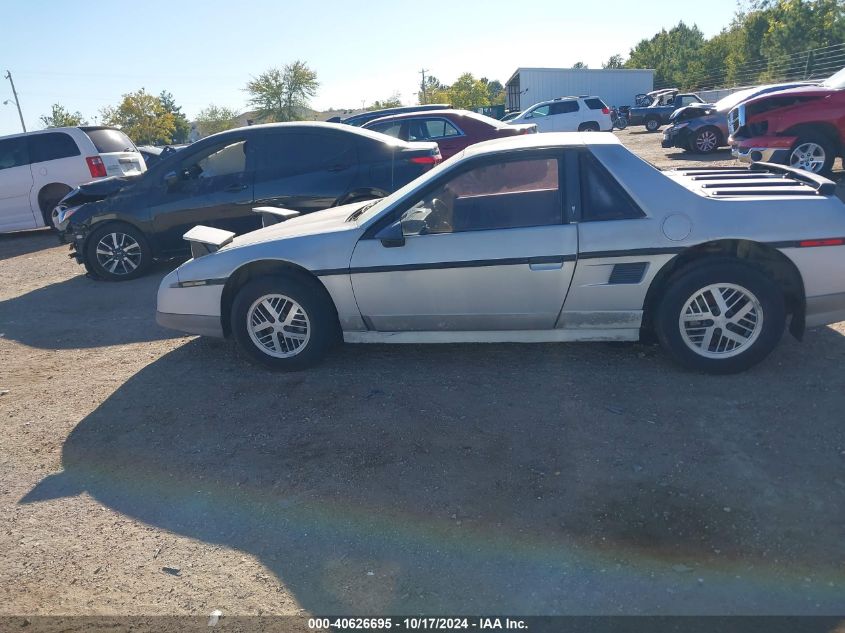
(147, 473)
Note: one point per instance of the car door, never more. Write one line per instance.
(305, 171)
(15, 185)
(567, 116)
(484, 248)
(449, 138)
(212, 186)
(540, 116)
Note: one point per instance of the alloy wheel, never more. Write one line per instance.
(808, 156)
(706, 141)
(721, 320)
(118, 253)
(278, 325)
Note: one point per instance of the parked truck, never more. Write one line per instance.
(661, 108)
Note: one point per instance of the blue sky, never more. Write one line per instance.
(85, 55)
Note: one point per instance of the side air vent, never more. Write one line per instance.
(628, 273)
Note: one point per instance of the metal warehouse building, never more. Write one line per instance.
(616, 86)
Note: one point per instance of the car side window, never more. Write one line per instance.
(388, 127)
(602, 197)
(543, 110)
(290, 154)
(13, 153)
(504, 195)
(430, 129)
(51, 146)
(564, 107)
(223, 161)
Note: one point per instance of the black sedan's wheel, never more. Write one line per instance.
(117, 252)
(721, 317)
(706, 141)
(286, 323)
(652, 124)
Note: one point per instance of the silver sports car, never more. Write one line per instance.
(539, 238)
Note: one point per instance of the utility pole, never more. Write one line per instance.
(17, 102)
(424, 98)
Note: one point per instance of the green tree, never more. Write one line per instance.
(394, 101)
(495, 92)
(283, 95)
(59, 117)
(214, 119)
(433, 87)
(468, 93)
(614, 61)
(142, 117)
(182, 127)
(670, 53)
(579, 65)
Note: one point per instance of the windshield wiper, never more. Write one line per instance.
(357, 212)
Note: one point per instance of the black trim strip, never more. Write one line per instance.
(669, 250)
(472, 263)
(198, 283)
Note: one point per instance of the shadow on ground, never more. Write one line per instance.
(81, 312)
(479, 479)
(26, 242)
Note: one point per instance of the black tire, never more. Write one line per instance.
(652, 124)
(589, 126)
(706, 141)
(621, 122)
(823, 143)
(321, 324)
(48, 198)
(687, 283)
(119, 238)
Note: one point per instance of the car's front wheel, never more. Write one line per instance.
(652, 124)
(706, 141)
(812, 152)
(286, 322)
(721, 317)
(117, 252)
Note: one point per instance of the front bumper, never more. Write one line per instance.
(201, 324)
(675, 137)
(766, 149)
(76, 239)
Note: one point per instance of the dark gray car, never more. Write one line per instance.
(703, 127)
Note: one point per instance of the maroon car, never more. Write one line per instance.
(452, 130)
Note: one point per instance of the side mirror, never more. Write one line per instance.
(172, 178)
(391, 236)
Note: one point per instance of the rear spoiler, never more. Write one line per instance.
(821, 184)
(205, 240)
(274, 215)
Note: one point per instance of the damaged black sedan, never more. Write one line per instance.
(117, 227)
(702, 128)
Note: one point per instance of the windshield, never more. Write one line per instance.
(726, 103)
(837, 81)
(385, 202)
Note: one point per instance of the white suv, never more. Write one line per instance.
(37, 169)
(568, 114)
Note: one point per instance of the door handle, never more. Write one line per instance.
(546, 266)
(235, 188)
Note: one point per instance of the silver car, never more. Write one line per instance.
(537, 238)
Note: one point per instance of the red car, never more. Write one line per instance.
(801, 127)
(452, 130)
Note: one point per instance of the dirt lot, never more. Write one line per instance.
(147, 473)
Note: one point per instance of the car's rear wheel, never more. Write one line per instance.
(652, 124)
(813, 153)
(48, 198)
(285, 322)
(117, 252)
(721, 317)
(706, 141)
(589, 126)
